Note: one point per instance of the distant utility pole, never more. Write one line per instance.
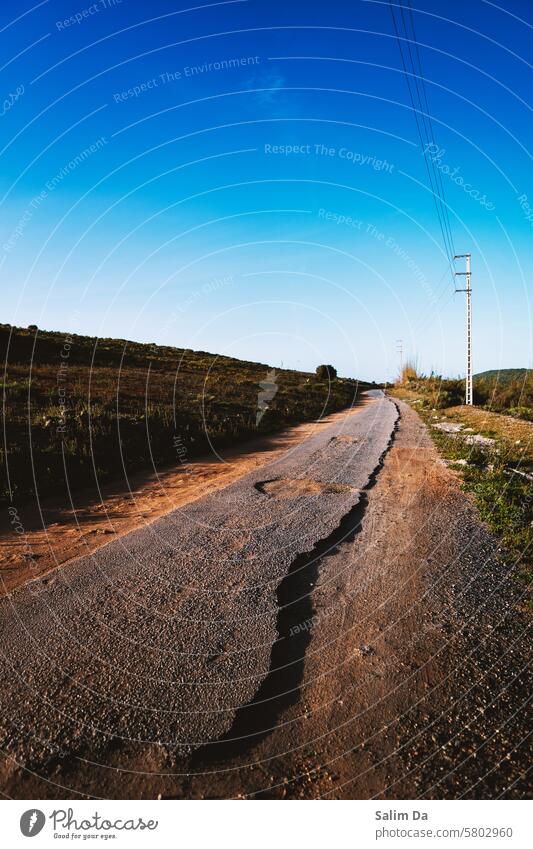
(399, 350)
(469, 390)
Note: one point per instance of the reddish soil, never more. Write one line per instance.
(415, 675)
(45, 534)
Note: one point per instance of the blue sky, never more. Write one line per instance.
(246, 178)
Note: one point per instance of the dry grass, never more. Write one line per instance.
(496, 425)
(409, 372)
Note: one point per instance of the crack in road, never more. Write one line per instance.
(166, 636)
(280, 689)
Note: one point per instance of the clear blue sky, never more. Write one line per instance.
(147, 192)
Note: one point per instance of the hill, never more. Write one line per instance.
(78, 409)
(504, 376)
(507, 391)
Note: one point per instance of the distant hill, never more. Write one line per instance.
(503, 376)
(509, 390)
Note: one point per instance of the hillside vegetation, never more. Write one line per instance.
(77, 409)
(503, 376)
(506, 391)
(509, 391)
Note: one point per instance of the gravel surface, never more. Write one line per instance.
(339, 624)
(162, 635)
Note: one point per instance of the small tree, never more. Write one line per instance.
(326, 372)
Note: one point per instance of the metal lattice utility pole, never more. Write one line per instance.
(469, 388)
(399, 351)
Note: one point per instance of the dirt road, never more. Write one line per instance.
(48, 533)
(338, 625)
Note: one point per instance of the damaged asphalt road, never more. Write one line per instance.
(174, 634)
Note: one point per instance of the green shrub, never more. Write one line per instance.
(326, 372)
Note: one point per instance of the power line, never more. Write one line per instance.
(430, 123)
(434, 176)
(426, 313)
(418, 112)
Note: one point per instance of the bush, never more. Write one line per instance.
(326, 372)
(409, 372)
